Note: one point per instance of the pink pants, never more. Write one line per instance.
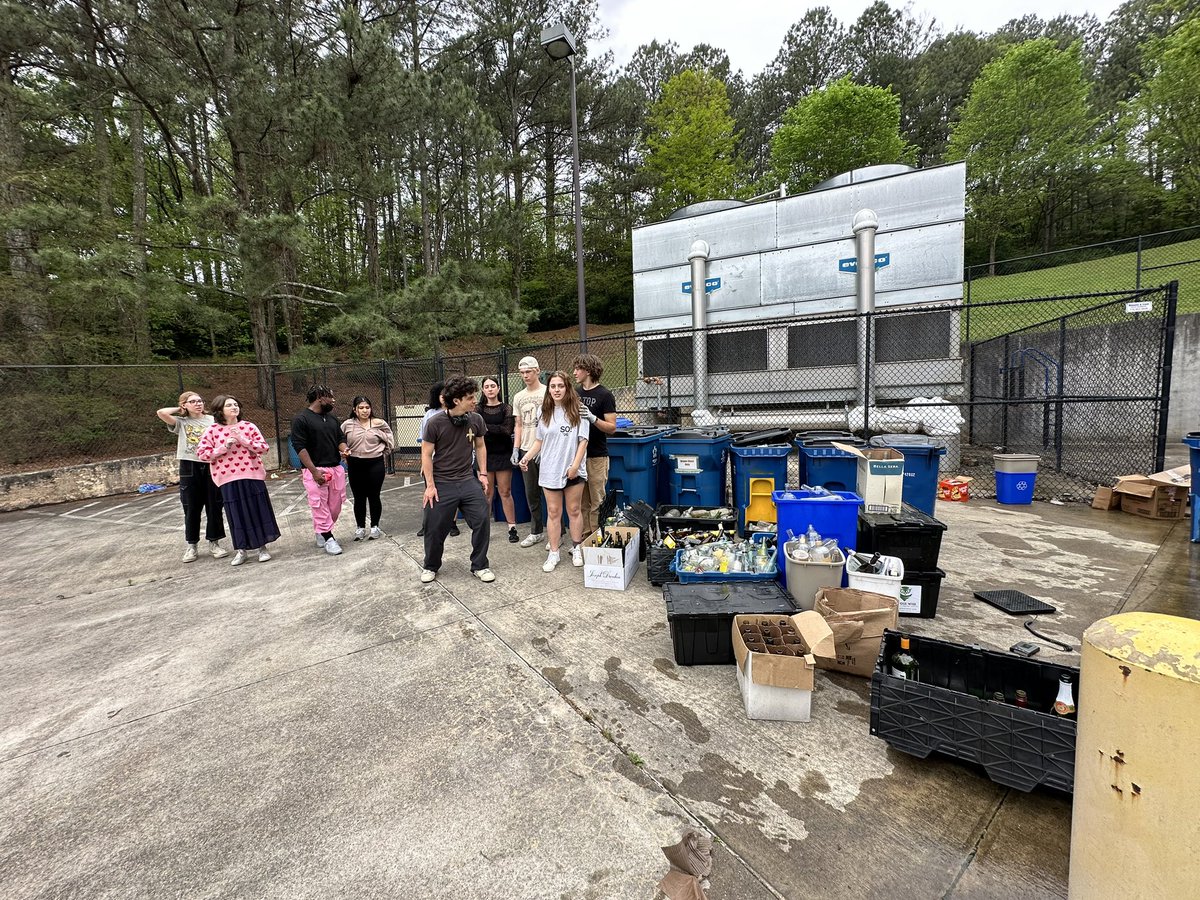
(325, 500)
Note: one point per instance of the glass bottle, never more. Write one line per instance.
(1021, 700)
(904, 664)
(1064, 703)
(997, 696)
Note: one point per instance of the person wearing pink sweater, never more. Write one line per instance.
(234, 450)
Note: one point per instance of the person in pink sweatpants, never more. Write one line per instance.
(321, 446)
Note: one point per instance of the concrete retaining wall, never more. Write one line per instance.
(1184, 414)
(101, 479)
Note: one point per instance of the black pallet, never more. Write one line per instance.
(1015, 603)
(944, 711)
(913, 536)
(701, 616)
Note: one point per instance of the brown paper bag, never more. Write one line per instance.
(857, 620)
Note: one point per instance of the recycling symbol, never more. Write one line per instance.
(1022, 485)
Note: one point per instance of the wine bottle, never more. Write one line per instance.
(1064, 703)
(904, 664)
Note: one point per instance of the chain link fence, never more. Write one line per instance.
(1081, 380)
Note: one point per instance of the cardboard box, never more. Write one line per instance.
(611, 568)
(1163, 495)
(1106, 499)
(857, 620)
(956, 489)
(779, 688)
(880, 477)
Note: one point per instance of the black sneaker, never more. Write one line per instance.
(512, 535)
(454, 532)
(421, 532)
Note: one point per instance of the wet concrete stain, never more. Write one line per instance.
(657, 628)
(541, 645)
(666, 667)
(687, 717)
(1004, 541)
(852, 708)
(621, 689)
(557, 676)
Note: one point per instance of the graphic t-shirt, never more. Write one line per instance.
(601, 402)
(527, 407)
(454, 445)
(189, 430)
(560, 439)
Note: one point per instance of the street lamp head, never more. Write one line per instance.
(558, 42)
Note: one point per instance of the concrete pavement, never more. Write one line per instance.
(317, 726)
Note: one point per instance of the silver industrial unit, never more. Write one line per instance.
(782, 273)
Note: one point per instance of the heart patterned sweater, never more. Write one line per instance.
(243, 460)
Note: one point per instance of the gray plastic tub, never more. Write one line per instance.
(1016, 463)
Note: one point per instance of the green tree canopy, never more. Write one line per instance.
(843, 127)
(690, 137)
(1170, 102)
(1025, 130)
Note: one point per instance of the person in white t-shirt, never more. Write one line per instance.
(197, 491)
(560, 451)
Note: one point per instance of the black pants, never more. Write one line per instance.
(198, 494)
(533, 496)
(452, 496)
(366, 480)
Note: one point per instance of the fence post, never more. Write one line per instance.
(625, 354)
(1167, 344)
(1058, 406)
(1006, 382)
(502, 374)
(279, 442)
(1137, 283)
(670, 371)
(385, 399)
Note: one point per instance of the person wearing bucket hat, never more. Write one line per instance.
(527, 407)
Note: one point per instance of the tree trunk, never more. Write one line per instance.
(31, 309)
(137, 162)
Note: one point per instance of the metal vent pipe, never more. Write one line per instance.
(866, 223)
(698, 257)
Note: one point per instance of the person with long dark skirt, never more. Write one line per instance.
(498, 417)
(234, 450)
(369, 440)
(197, 491)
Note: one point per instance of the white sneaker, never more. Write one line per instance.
(577, 556)
(532, 539)
(487, 576)
(263, 555)
(551, 561)
(320, 541)
(217, 551)
(332, 547)
(189, 555)
(239, 558)
(375, 533)
(360, 534)
(427, 575)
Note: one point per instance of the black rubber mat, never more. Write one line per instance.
(1015, 603)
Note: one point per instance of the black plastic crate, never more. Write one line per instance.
(945, 711)
(909, 534)
(919, 593)
(658, 566)
(701, 616)
(711, 523)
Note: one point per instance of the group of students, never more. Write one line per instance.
(556, 436)
(221, 473)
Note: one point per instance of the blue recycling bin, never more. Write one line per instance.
(824, 465)
(633, 463)
(695, 462)
(757, 473)
(832, 517)
(1193, 442)
(1195, 518)
(922, 458)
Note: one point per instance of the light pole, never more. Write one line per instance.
(559, 43)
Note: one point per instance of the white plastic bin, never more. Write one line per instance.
(879, 584)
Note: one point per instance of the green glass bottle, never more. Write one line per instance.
(904, 664)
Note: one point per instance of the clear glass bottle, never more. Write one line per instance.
(1064, 703)
(904, 664)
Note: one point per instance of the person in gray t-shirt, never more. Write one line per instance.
(197, 492)
(560, 451)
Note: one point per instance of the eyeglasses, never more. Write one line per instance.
(195, 400)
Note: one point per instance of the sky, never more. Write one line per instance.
(751, 31)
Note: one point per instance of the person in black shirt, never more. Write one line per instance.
(451, 437)
(498, 417)
(319, 442)
(601, 407)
